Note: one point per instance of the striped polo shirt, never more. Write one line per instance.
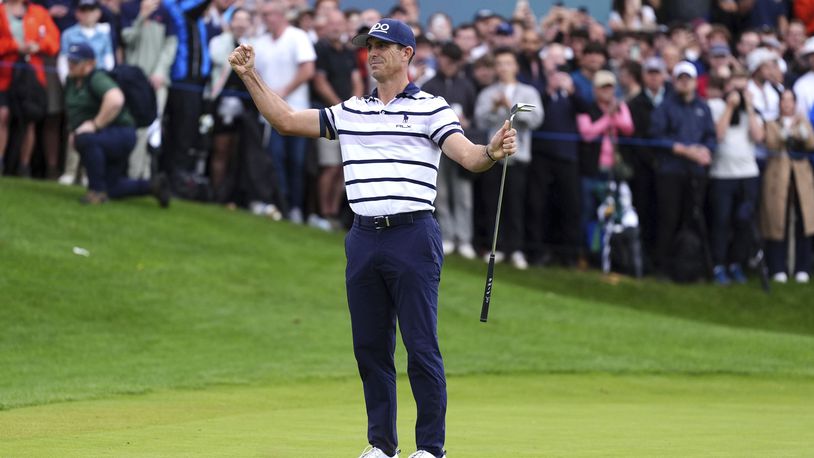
(390, 152)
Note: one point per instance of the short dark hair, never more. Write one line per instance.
(594, 47)
(504, 50)
(452, 51)
(634, 69)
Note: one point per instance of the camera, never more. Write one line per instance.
(736, 115)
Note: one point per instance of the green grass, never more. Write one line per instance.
(233, 306)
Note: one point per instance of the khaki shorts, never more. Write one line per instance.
(329, 153)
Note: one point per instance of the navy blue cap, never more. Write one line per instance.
(88, 4)
(391, 30)
(505, 29)
(78, 52)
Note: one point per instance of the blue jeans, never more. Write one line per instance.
(592, 191)
(105, 155)
(732, 209)
(288, 156)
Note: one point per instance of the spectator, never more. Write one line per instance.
(422, 67)
(768, 13)
(720, 65)
(336, 79)
(90, 30)
(593, 59)
(531, 65)
(788, 186)
(630, 79)
(150, 43)
(553, 188)
(453, 203)
(794, 40)
(733, 187)
(181, 144)
(285, 61)
(804, 87)
(491, 109)
(486, 22)
(228, 99)
(683, 11)
(642, 158)
(483, 72)
(683, 123)
(631, 15)
(600, 125)
(505, 36)
(103, 131)
(466, 38)
(26, 33)
(439, 27)
(748, 42)
(804, 10)
(766, 98)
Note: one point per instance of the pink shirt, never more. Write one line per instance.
(608, 126)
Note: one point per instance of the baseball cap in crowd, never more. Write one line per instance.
(654, 64)
(78, 52)
(390, 30)
(719, 50)
(505, 29)
(87, 4)
(483, 14)
(808, 47)
(604, 78)
(759, 57)
(685, 68)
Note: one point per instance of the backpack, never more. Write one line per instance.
(28, 99)
(139, 95)
(688, 263)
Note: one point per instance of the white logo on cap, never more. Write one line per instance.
(379, 27)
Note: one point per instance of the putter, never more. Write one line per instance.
(490, 273)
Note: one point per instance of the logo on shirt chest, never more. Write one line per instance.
(403, 124)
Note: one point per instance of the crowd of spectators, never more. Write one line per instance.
(671, 138)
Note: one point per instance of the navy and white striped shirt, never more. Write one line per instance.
(390, 152)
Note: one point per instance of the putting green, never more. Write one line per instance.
(489, 416)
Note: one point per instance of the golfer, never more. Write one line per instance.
(391, 142)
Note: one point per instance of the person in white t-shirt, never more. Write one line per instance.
(734, 181)
(285, 60)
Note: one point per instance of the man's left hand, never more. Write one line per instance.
(87, 127)
(504, 142)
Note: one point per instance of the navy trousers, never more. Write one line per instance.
(393, 275)
(105, 155)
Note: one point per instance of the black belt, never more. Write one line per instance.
(385, 221)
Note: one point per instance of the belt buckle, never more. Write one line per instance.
(381, 222)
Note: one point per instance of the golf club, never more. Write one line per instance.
(490, 273)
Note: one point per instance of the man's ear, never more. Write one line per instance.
(411, 54)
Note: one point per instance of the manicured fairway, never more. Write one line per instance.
(527, 416)
(203, 332)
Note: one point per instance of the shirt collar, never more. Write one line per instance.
(409, 91)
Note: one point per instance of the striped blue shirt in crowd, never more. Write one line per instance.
(390, 152)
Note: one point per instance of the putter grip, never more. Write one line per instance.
(487, 293)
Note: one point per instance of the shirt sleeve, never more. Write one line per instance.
(327, 122)
(443, 123)
(305, 50)
(716, 108)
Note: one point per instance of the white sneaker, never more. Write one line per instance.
(66, 179)
(467, 252)
(780, 277)
(448, 246)
(295, 216)
(424, 454)
(374, 452)
(519, 261)
(801, 277)
(318, 222)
